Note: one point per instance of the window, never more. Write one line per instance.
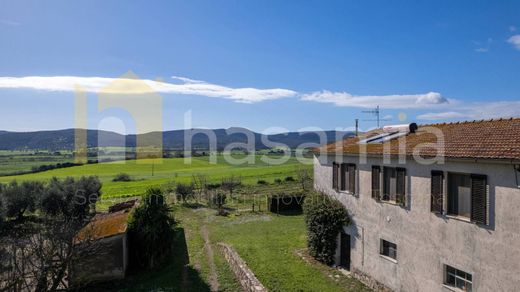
(394, 182)
(388, 249)
(467, 196)
(437, 187)
(348, 177)
(458, 279)
(335, 172)
(376, 182)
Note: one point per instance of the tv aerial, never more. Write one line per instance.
(376, 112)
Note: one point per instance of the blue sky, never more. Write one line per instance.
(263, 64)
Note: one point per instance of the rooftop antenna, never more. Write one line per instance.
(357, 127)
(377, 113)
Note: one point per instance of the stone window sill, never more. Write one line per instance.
(388, 258)
(451, 288)
(459, 218)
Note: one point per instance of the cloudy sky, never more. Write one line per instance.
(260, 64)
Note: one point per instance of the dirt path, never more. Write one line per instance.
(213, 276)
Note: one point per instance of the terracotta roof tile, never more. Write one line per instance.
(491, 139)
(105, 225)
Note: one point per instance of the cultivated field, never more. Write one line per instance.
(159, 172)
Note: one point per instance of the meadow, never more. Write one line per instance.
(272, 245)
(146, 173)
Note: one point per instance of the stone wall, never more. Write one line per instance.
(244, 275)
(369, 281)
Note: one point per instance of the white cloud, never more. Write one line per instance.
(130, 86)
(515, 41)
(345, 99)
(477, 111)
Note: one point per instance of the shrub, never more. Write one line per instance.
(212, 186)
(278, 181)
(122, 177)
(289, 178)
(150, 231)
(184, 191)
(324, 218)
(262, 182)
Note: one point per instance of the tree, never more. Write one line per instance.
(150, 231)
(184, 191)
(218, 200)
(19, 198)
(304, 177)
(324, 218)
(40, 253)
(70, 197)
(2, 209)
(230, 184)
(200, 183)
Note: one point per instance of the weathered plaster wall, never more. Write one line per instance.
(425, 241)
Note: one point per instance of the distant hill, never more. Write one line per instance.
(64, 139)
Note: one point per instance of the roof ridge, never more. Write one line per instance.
(471, 122)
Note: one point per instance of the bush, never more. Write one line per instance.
(324, 218)
(122, 177)
(184, 191)
(290, 178)
(278, 181)
(262, 182)
(213, 186)
(150, 231)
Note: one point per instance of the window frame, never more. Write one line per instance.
(388, 247)
(400, 198)
(474, 180)
(454, 273)
(348, 186)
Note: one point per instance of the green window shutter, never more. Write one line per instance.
(479, 199)
(401, 186)
(437, 191)
(376, 182)
(352, 178)
(343, 176)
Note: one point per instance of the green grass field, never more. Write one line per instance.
(149, 172)
(17, 162)
(270, 244)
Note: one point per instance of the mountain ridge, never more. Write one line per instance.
(55, 140)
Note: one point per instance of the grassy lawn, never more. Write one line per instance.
(268, 243)
(149, 172)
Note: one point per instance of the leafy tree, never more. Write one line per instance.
(150, 231)
(20, 198)
(40, 253)
(184, 191)
(324, 218)
(71, 198)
